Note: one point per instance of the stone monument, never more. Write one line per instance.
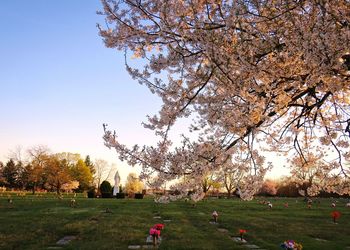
(116, 183)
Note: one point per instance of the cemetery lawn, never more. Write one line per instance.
(33, 222)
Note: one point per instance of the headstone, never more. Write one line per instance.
(134, 247)
(147, 246)
(323, 240)
(238, 239)
(252, 246)
(149, 239)
(66, 239)
(223, 230)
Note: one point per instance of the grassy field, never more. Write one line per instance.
(38, 222)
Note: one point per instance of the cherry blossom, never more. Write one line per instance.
(253, 76)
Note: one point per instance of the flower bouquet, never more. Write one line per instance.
(291, 245)
(241, 233)
(335, 215)
(155, 232)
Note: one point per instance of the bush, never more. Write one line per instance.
(120, 195)
(106, 189)
(138, 196)
(91, 193)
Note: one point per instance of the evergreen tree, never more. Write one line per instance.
(10, 174)
(2, 179)
(89, 164)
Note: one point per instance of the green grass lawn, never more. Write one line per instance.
(33, 222)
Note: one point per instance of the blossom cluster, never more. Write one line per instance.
(248, 83)
(156, 229)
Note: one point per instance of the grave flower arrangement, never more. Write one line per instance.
(335, 215)
(155, 232)
(291, 245)
(215, 216)
(241, 233)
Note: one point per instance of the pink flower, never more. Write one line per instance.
(154, 231)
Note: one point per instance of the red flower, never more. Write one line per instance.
(159, 226)
(242, 231)
(335, 214)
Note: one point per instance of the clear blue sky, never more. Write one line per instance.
(58, 83)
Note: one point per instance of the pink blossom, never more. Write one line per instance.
(154, 231)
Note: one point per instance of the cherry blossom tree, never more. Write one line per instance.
(250, 74)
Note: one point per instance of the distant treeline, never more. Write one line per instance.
(42, 170)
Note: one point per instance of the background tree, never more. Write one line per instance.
(57, 173)
(17, 154)
(245, 71)
(2, 178)
(70, 186)
(287, 187)
(38, 156)
(309, 173)
(269, 188)
(10, 174)
(133, 184)
(231, 177)
(71, 158)
(81, 173)
(22, 179)
(207, 182)
(101, 168)
(90, 164)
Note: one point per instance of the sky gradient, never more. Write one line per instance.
(58, 83)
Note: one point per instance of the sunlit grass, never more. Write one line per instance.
(39, 222)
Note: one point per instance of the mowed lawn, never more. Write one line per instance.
(39, 222)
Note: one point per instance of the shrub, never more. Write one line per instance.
(269, 188)
(138, 196)
(106, 189)
(91, 193)
(120, 195)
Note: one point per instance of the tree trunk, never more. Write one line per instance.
(58, 186)
(33, 190)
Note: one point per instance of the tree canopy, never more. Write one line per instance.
(251, 74)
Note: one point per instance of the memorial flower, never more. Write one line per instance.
(155, 232)
(335, 215)
(291, 244)
(242, 232)
(159, 226)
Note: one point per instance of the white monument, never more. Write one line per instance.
(116, 183)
